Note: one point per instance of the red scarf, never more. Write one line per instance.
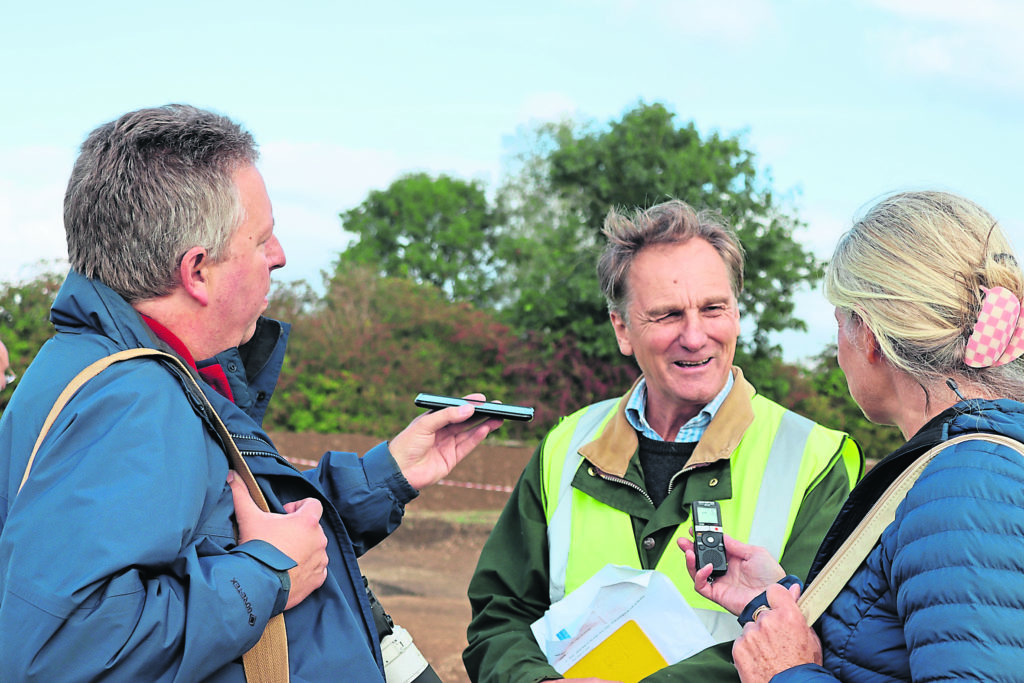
(213, 374)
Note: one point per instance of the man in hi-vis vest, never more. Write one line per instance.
(613, 482)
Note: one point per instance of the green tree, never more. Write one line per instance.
(359, 355)
(547, 253)
(555, 204)
(25, 320)
(430, 230)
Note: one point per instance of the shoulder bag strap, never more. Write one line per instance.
(267, 661)
(838, 570)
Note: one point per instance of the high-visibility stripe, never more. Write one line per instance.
(560, 524)
(769, 526)
(780, 478)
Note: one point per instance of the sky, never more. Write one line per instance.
(842, 101)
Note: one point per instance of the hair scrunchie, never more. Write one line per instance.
(998, 336)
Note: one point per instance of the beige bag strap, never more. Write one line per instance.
(267, 661)
(851, 554)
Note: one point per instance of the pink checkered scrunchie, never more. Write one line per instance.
(998, 336)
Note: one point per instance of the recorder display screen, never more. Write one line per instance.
(707, 516)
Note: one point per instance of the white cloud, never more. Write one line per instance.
(978, 12)
(736, 23)
(813, 309)
(547, 106)
(322, 173)
(32, 182)
(824, 227)
(311, 240)
(310, 184)
(975, 42)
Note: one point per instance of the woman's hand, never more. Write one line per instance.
(778, 640)
(751, 570)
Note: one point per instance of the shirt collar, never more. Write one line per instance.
(693, 430)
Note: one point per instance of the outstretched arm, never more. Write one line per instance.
(435, 442)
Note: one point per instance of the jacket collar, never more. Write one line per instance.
(87, 306)
(253, 369)
(612, 450)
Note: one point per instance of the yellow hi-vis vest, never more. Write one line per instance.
(779, 457)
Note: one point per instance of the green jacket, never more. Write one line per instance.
(510, 588)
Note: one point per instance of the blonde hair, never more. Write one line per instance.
(912, 270)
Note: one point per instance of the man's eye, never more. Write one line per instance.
(667, 318)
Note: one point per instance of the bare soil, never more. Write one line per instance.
(421, 572)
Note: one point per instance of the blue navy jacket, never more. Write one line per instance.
(118, 558)
(941, 596)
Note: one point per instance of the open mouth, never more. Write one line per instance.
(692, 364)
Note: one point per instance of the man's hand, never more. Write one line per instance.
(780, 639)
(435, 442)
(751, 570)
(297, 534)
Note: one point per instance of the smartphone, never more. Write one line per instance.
(489, 408)
(708, 540)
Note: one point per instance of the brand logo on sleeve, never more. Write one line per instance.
(245, 601)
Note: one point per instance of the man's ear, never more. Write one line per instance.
(193, 273)
(621, 333)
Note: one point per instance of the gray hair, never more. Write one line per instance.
(912, 270)
(148, 187)
(672, 222)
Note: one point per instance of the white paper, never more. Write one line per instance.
(616, 594)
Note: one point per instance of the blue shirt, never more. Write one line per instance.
(636, 413)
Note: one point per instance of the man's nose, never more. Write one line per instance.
(692, 333)
(275, 254)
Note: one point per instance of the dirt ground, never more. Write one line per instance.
(420, 573)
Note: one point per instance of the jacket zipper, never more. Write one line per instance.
(685, 470)
(265, 454)
(271, 453)
(249, 437)
(201, 407)
(619, 480)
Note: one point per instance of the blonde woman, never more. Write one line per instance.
(927, 293)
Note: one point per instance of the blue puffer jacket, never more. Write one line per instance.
(941, 596)
(117, 558)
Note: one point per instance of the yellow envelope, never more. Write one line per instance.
(626, 655)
